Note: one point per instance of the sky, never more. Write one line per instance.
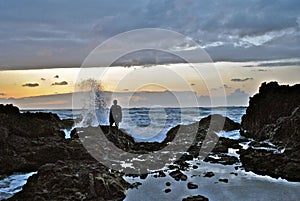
(43, 44)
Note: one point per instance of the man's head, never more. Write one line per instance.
(115, 102)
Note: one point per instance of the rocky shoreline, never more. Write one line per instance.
(67, 171)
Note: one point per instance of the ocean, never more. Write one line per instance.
(150, 124)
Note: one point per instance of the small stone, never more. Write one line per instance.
(191, 185)
(195, 198)
(223, 180)
(167, 190)
(195, 167)
(209, 174)
(136, 185)
(178, 175)
(168, 183)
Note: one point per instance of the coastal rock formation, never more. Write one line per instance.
(273, 116)
(73, 180)
(66, 171)
(268, 107)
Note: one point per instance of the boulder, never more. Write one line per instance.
(267, 107)
(273, 115)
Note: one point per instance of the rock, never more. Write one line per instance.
(160, 174)
(74, 134)
(9, 109)
(167, 190)
(84, 180)
(218, 122)
(209, 174)
(269, 105)
(30, 140)
(168, 183)
(136, 185)
(274, 115)
(178, 175)
(191, 185)
(263, 162)
(223, 180)
(143, 176)
(195, 198)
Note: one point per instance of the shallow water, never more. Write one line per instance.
(244, 186)
(13, 184)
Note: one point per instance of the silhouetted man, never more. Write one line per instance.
(115, 114)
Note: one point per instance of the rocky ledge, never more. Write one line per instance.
(273, 117)
(73, 180)
(65, 170)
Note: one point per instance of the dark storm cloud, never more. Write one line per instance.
(30, 85)
(241, 80)
(55, 33)
(60, 83)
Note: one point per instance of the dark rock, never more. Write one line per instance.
(223, 180)
(273, 114)
(168, 183)
(269, 105)
(234, 173)
(178, 175)
(9, 109)
(84, 180)
(191, 185)
(209, 174)
(160, 174)
(74, 134)
(167, 190)
(263, 162)
(143, 176)
(195, 167)
(136, 185)
(195, 198)
(218, 122)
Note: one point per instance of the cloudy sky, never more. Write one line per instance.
(43, 43)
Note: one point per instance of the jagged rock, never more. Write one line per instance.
(269, 105)
(73, 180)
(178, 175)
(274, 115)
(74, 134)
(195, 198)
(9, 109)
(29, 140)
(218, 122)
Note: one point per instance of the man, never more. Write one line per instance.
(115, 114)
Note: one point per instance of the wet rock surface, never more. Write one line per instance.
(273, 115)
(73, 180)
(26, 138)
(66, 171)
